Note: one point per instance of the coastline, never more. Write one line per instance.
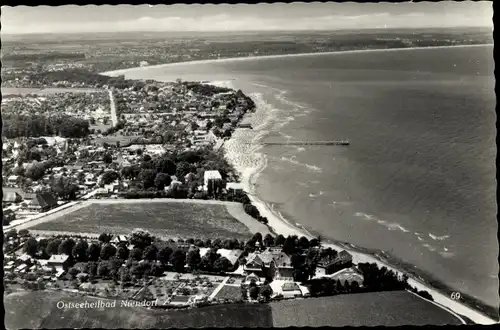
(246, 58)
(242, 151)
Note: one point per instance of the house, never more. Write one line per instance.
(212, 180)
(255, 278)
(234, 188)
(283, 265)
(290, 290)
(350, 275)
(329, 265)
(119, 239)
(13, 179)
(59, 262)
(260, 264)
(231, 255)
(43, 202)
(12, 197)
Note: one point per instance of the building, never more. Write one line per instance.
(12, 197)
(43, 202)
(260, 264)
(231, 255)
(234, 188)
(59, 262)
(13, 179)
(350, 275)
(283, 265)
(330, 265)
(119, 239)
(290, 290)
(212, 181)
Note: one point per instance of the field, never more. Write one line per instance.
(167, 219)
(229, 292)
(367, 309)
(38, 310)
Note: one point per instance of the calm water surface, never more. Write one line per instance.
(418, 179)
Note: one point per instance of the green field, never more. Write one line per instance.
(161, 219)
(366, 309)
(38, 310)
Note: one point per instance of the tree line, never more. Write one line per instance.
(16, 125)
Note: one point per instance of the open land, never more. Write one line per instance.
(164, 218)
(241, 315)
(380, 308)
(366, 309)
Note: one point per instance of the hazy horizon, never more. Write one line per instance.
(243, 18)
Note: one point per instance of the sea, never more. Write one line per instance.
(418, 178)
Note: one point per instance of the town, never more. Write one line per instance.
(187, 272)
(104, 144)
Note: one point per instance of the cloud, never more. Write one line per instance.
(225, 22)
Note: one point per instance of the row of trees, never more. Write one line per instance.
(82, 76)
(16, 125)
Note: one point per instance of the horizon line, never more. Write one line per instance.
(247, 31)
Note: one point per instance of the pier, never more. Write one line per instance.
(309, 143)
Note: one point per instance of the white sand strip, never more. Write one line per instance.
(246, 58)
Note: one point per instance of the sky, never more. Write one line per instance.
(244, 17)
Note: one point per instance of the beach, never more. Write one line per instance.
(242, 151)
(245, 153)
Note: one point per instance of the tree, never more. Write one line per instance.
(147, 177)
(108, 158)
(53, 246)
(162, 180)
(165, 165)
(109, 177)
(105, 238)
(103, 269)
(289, 245)
(136, 254)
(92, 265)
(222, 264)
(93, 252)
(178, 260)
(266, 291)
(150, 253)
(141, 239)
(183, 168)
(304, 243)
(31, 246)
(35, 171)
(257, 237)
(193, 259)
(124, 274)
(66, 247)
(122, 252)
(80, 250)
(24, 233)
(73, 272)
(280, 240)
(64, 188)
(164, 254)
(253, 292)
(268, 240)
(107, 251)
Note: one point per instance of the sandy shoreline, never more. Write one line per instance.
(246, 58)
(242, 150)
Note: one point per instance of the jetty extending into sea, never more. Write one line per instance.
(309, 143)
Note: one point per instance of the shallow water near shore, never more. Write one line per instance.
(417, 180)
